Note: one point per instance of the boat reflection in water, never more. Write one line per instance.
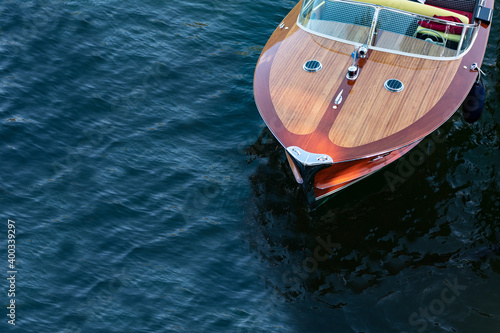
(355, 253)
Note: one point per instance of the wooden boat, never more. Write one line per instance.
(349, 86)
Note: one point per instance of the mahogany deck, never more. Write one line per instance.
(372, 112)
(299, 97)
(297, 105)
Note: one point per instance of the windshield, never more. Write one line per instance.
(389, 29)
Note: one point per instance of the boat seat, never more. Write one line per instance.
(437, 31)
(392, 21)
(396, 23)
(350, 13)
(438, 34)
(388, 20)
(417, 8)
(462, 5)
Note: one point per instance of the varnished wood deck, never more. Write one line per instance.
(301, 98)
(372, 112)
(369, 112)
(297, 105)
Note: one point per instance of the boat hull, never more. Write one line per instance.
(343, 174)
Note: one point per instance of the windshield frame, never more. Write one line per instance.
(373, 29)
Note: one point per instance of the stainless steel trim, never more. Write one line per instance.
(373, 28)
(309, 63)
(308, 159)
(392, 89)
(475, 67)
(372, 32)
(363, 51)
(352, 72)
(308, 164)
(424, 16)
(414, 55)
(306, 5)
(338, 99)
(462, 35)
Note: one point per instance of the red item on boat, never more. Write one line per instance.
(442, 27)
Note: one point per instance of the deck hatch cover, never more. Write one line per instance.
(394, 85)
(312, 66)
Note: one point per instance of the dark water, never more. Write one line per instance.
(149, 197)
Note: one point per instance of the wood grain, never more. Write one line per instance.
(372, 112)
(301, 98)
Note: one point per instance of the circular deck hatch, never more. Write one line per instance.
(312, 66)
(394, 85)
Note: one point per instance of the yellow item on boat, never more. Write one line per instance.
(442, 34)
(417, 8)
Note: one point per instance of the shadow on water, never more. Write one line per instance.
(379, 253)
(367, 234)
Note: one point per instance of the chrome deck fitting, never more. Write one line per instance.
(308, 164)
